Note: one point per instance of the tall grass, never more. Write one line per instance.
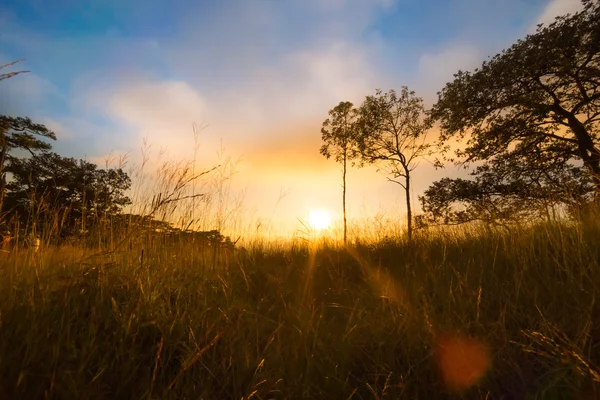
(307, 319)
(129, 313)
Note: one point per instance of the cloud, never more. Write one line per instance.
(437, 68)
(157, 106)
(57, 127)
(556, 8)
(26, 91)
(161, 111)
(298, 89)
(301, 89)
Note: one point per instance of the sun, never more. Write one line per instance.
(319, 219)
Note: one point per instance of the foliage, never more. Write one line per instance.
(393, 129)
(22, 134)
(539, 96)
(45, 183)
(340, 136)
(339, 133)
(144, 226)
(19, 134)
(510, 188)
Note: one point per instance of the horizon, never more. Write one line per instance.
(261, 75)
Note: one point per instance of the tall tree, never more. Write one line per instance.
(541, 96)
(393, 130)
(20, 134)
(339, 132)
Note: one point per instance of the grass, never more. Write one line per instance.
(463, 314)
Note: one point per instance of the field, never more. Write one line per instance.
(461, 314)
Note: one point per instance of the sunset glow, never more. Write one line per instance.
(316, 198)
(146, 82)
(319, 219)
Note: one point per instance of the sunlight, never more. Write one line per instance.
(319, 219)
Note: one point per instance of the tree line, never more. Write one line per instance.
(527, 120)
(40, 188)
(68, 200)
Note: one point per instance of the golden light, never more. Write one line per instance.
(319, 219)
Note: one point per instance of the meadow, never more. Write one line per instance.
(456, 313)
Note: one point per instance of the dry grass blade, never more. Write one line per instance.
(194, 359)
(11, 74)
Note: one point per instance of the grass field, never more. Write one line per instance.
(462, 314)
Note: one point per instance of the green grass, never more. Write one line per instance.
(305, 322)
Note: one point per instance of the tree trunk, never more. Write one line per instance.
(587, 149)
(344, 199)
(408, 207)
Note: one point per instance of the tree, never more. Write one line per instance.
(46, 185)
(393, 129)
(508, 189)
(339, 134)
(108, 187)
(19, 134)
(540, 97)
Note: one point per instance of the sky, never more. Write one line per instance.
(261, 75)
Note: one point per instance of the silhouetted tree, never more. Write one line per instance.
(393, 129)
(20, 134)
(47, 185)
(540, 97)
(509, 188)
(339, 132)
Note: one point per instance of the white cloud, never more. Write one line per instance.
(435, 69)
(310, 82)
(57, 127)
(158, 106)
(556, 8)
(294, 90)
(26, 91)
(81, 137)
(161, 111)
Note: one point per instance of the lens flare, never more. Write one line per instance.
(462, 361)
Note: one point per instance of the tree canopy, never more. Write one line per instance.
(393, 128)
(529, 117)
(20, 134)
(541, 96)
(507, 189)
(46, 183)
(339, 133)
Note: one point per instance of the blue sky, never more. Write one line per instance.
(261, 73)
